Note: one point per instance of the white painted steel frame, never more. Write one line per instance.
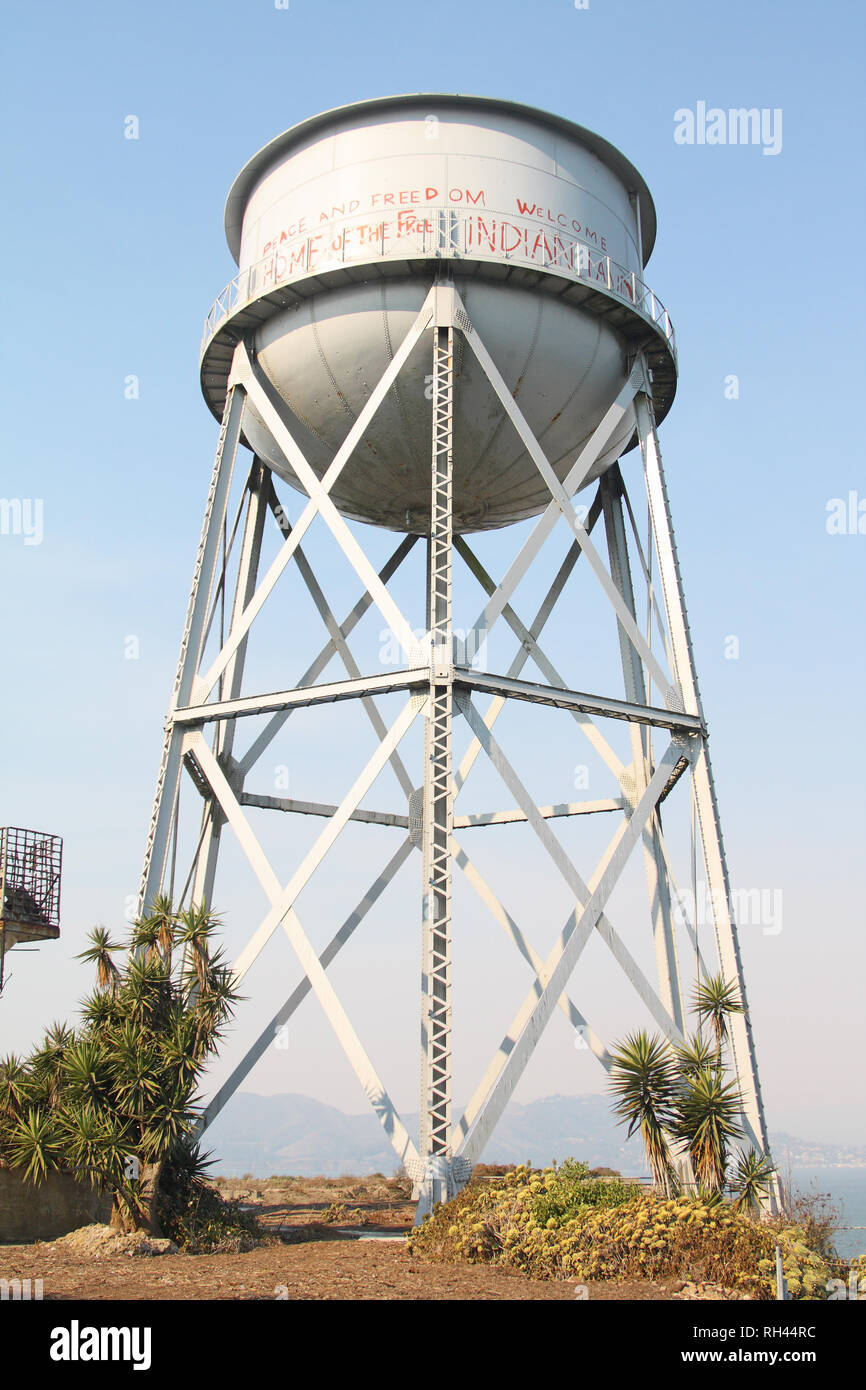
(440, 681)
(437, 1182)
(742, 1042)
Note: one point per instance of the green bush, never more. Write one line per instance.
(567, 1189)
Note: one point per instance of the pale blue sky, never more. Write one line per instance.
(114, 250)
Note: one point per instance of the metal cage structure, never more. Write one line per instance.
(30, 867)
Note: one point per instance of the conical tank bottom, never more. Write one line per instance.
(563, 365)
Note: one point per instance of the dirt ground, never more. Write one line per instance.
(359, 1205)
(331, 1239)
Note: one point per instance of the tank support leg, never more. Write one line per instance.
(164, 814)
(259, 488)
(718, 885)
(636, 778)
(436, 1184)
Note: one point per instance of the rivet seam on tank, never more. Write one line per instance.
(503, 417)
(395, 388)
(333, 380)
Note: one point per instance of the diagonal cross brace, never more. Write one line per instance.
(304, 872)
(340, 644)
(582, 893)
(244, 376)
(575, 883)
(536, 1011)
(531, 956)
(262, 396)
(303, 988)
(562, 499)
(282, 911)
(315, 669)
(574, 481)
(529, 646)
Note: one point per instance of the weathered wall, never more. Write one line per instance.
(58, 1205)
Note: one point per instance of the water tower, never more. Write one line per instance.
(440, 325)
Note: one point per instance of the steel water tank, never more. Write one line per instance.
(339, 228)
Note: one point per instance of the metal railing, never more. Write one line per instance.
(437, 232)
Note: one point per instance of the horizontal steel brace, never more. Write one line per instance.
(467, 822)
(304, 695)
(320, 808)
(572, 808)
(575, 700)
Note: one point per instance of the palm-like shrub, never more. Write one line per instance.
(707, 1120)
(645, 1080)
(715, 1000)
(35, 1143)
(751, 1181)
(14, 1087)
(116, 1100)
(678, 1097)
(99, 953)
(694, 1054)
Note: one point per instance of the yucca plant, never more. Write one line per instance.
(15, 1086)
(196, 927)
(99, 1012)
(86, 1073)
(116, 1101)
(694, 1054)
(163, 921)
(99, 953)
(36, 1143)
(753, 1177)
(97, 1148)
(144, 945)
(707, 1120)
(46, 1064)
(715, 1000)
(644, 1078)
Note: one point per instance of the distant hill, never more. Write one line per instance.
(285, 1134)
(296, 1134)
(803, 1153)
